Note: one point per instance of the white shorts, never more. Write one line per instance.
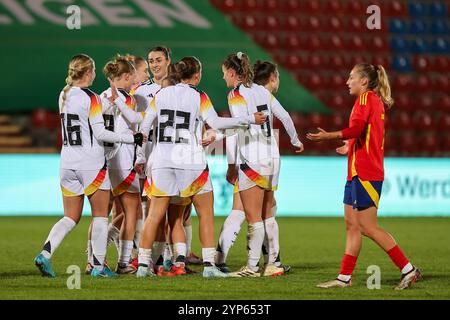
(79, 182)
(264, 175)
(180, 182)
(123, 181)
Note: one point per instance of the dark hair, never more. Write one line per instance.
(262, 72)
(240, 62)
(378, 81)
(166, 51)
(187, 67)
(172, 76)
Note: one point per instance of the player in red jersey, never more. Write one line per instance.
(365, 148)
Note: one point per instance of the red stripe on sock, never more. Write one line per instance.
(348, 264)
(398, 257)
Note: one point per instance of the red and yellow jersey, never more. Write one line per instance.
(366, 153)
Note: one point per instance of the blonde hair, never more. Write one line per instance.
(118, 66)
(137, 61)
(240, 62)
(79, 65)
(378, 81)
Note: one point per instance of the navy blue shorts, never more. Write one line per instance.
(362, 194)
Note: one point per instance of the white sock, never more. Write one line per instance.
(137, 238)
(274, 210)
(98, 241)
(168, 252)
(407, 268)
(344, 277)
(180, 249)
(144, 205)
(272, 235)
(90, 258)
(208, 255)
(228, 234)
(59, 231)
(113, 236)
(188, 232)
(145, 257)
(255, 236)
(125, 251)
(157, 250)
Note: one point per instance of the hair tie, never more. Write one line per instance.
(239, 55)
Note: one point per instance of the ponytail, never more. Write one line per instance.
(384, 88)
(240, 62)
(377, 81)
(79, 65)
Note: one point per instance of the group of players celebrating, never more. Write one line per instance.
(138, 149)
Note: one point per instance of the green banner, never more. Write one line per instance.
(38, 37)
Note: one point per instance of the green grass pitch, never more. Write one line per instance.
(312, 246)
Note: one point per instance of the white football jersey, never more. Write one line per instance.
(258, 143)
(180, 110)
(144, 94)
(82, 121)
(119, 155)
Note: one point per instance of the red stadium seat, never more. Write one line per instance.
(230, 5)
(298, 119)
(442, 83)
(355, 8)
(337, 63)
(292, 23)
(338, 81)
(390, 144)
(444, 123)
(311, 6)
(42, 119)
(403, 101)
(316, 120)
(356, 43)
(291, 6)
(335, 43)
(334, 24)
(423, 122)
(408, 143)
(337, 122)
(250, 23)
(339, 102)
(334, 6)
(291, 42)
(442, 63)
(313, 24)
(251, 6)
(314, 43)
(377, 44)
(397, 9)
(315, 82)
(355, 25)
(443, 103)
(268, 40)
(271, 5)
(316, 62)
(402, 82)
(423, 64)
(403, 120)
(423, 83)
(294, 62)
(425, 101)
(271, 23)
(429, 144)
(383, 60)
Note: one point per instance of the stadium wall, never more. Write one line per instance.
(309, 186)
